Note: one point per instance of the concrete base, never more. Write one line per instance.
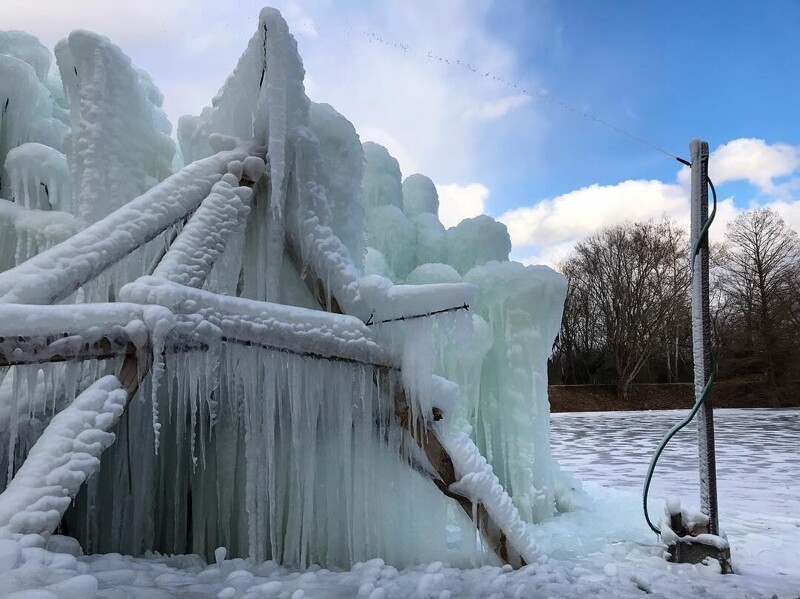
(695, 552)
(693, 546)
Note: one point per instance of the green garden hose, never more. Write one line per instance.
(700, 400)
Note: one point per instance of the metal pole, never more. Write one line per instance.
(701, 336)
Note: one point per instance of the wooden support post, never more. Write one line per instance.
(132, 373)
(701, 335)
(425, 437)
(315, 285)
(687, 550)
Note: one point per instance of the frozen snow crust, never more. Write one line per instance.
(597, 550)
(268, 428)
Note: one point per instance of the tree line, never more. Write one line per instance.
(627, 316)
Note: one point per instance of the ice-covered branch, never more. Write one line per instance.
(57, 272)
(66, 454)
(277, 326)
(202, 241)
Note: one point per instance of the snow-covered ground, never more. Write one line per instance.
(601, 549)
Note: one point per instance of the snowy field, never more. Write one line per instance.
(602, 549)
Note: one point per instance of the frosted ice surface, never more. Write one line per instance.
(523, 306)
(62, 269)
(119, 144)
(389, 301)
(419, 195)
(253, 168)
(156, 99)
(202, 241)
(433, 273)
(343, 162)
(26, 112)
(376, 264)
(476, 241)
(27, 48)
(431, 239)
(39, 177)
(25, 233)
(283, 327)
(193, 136)
(390, 232)
(88, 321)
(381, 185)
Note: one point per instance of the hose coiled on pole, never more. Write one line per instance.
(706, 390)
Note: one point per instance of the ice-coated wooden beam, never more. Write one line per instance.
(192, 255)
(40, 334)
(45, 350)
(276, 326)
(56, 273)
(315, 285)
(445, 477)
(61, 460)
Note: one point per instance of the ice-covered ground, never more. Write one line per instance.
(603, 549)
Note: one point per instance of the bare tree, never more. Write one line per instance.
(760, 284)
(580, 348)
(627, 287)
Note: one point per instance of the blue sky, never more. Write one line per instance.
(724, 71)
(665, 71)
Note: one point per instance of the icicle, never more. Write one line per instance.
(14, 424)
(159, 327)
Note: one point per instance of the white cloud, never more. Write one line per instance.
(457, 202)
(755, 161)
(299, 21)
(495, 109)
(546, 231)
(440, 114)
(790, 211)
(125, 22)
(579, 213)
(551, 255)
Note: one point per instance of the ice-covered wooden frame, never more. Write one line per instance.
(167, 311)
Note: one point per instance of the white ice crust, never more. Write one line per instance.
(202, 241)
(66, 454)
(118, 145)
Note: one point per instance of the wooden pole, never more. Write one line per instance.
(701, 335)
(438, 457)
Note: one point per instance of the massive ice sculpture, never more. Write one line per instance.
(277, 391)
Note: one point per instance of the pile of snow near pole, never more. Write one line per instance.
(281, 434)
